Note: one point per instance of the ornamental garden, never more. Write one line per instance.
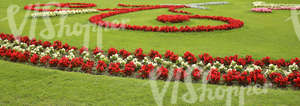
(228, 43)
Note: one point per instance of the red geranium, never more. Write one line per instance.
(124, 53)
(230, 76)
(114, 69)
(145, 71)
(190, 58)
(196, 74)
(179, 74)
(76, 62)
(139, 54)
(213, 76)
(34, 59)
(112, 51)
(87, 66)
(129, 69)
(154, 54)
(53, 62)
(173, 18)
(45, 59)
(101, 66)
(162, 73)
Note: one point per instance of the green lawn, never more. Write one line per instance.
(262, 35)
(24, 84)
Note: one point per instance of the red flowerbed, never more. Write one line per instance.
(173, 18)
(98, 19)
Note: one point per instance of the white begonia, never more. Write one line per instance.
(180, 59)
(86, 58)
(158, 60)
(208, 65)
(85, 54)
(252, 67)
(129, 58)
(201, 64)
(273, 68)
(222, 68)
(167, 63)
(98, 56)
(238, 67)
(23, 45)
(293, 67)
(173, 66)
(114, 57)
(195, 66)
(56, 55)
(232, 64)
(31, 47)
(217, 64)
(138, 64)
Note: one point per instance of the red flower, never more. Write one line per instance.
(145, 70)
(23, 57)
(190, 58)
(154, 54)
(196, 74)
(170, 55)
(258, 77)
(3, 51)
(124, 53)
(230, 76)
(76, 62)
(34, 59)
(114, 69)
(162, 73)
(281, 81)
(173, 18)
(296, 82)
(179, 74)
(274, 75)
(46, 44)
(206, 58)
(112, 51)
(64, 62)
(244, 78)
(97, 50)
(57, 44)
(53, 62)
(213, 76)
(45, 59)
(294, 75)
(129, 69)
(82, 49)
(101, 66)
(139, 54)
(87, 67)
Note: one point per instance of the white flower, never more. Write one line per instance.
(180, 59)
(293, 67)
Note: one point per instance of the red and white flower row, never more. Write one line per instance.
(267, 8)
(227, 70)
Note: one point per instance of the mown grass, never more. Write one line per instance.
(262, 35)
(27, 85)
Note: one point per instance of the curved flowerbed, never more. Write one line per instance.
(229, 70)
(98, 19)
